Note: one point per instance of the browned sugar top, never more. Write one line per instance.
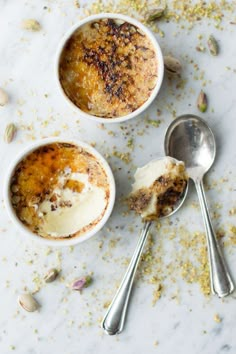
(108, 68)
(168, 190)
(38, 174)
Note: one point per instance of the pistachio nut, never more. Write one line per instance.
(10, 133)
(81, 283)
(202, 102)
(155, 14)
(213, 45)
(3, 97)
(172, 65)
(51, 275)
(28, 302)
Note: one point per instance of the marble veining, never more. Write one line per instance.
(69, 322)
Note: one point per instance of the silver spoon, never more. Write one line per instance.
(189, 139)
(114, 319)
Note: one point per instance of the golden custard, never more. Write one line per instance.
(59, 191)
(108, 68)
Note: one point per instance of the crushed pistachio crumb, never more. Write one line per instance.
(77, 4)
(200, 48)
(154, 123)
(157, 293)
(217, 318)
(31, 25)
(177, 11)
(130, 143)
(123, 156)
(232, 211)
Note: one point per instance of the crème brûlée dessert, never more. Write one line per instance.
(157, 188)
(108, 68)
(60, 190)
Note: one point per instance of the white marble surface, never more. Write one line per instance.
(68, 323)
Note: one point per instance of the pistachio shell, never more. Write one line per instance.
(3, 97)
(202, 102)
(172, 65)
(28, 302)
(51, 275)
(155, 14)
(10, 133)
(81, 283)
(213, 46)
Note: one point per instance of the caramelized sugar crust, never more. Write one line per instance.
(168, 190)
(38, 174)
(108, 68)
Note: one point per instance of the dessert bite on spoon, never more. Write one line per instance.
(159, 190)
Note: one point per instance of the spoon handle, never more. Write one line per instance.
(114, 319)
(221, 281)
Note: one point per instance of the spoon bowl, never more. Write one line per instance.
(189, 139)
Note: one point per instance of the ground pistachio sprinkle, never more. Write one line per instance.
(187, 260)
(176, 11)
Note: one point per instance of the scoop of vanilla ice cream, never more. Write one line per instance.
(72, 211)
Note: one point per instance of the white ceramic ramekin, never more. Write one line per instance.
(65, 242)
(156, 47)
